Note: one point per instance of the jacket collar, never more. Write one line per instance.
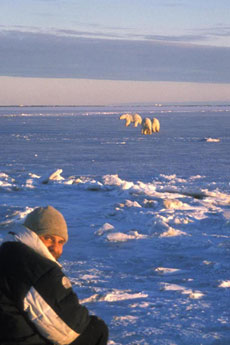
(30, 239)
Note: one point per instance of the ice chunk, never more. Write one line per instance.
(121, 237)
(55, 176)
(172, 232)
(172, 203)
(165, 270)
(106, 227)
(225, 284)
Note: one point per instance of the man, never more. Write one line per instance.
(37, 303)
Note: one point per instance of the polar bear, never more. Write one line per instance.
(155, 125)
(137, 119)
(146, 126)
(128, 119)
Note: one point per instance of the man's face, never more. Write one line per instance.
(54, 244)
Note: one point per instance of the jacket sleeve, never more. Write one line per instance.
(54, 309)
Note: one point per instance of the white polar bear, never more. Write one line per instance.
(146, 126)
(137, 119)
(156, 125)
(128, 119)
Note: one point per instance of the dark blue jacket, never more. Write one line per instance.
(37, 302)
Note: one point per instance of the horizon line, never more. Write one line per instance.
(221, 103)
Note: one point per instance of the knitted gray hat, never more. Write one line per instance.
(47, 221)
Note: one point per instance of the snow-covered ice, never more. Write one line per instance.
(148, 216)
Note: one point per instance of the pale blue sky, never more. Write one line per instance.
(115, 41)
(198, 21)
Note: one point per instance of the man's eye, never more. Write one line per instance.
(47, 238)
